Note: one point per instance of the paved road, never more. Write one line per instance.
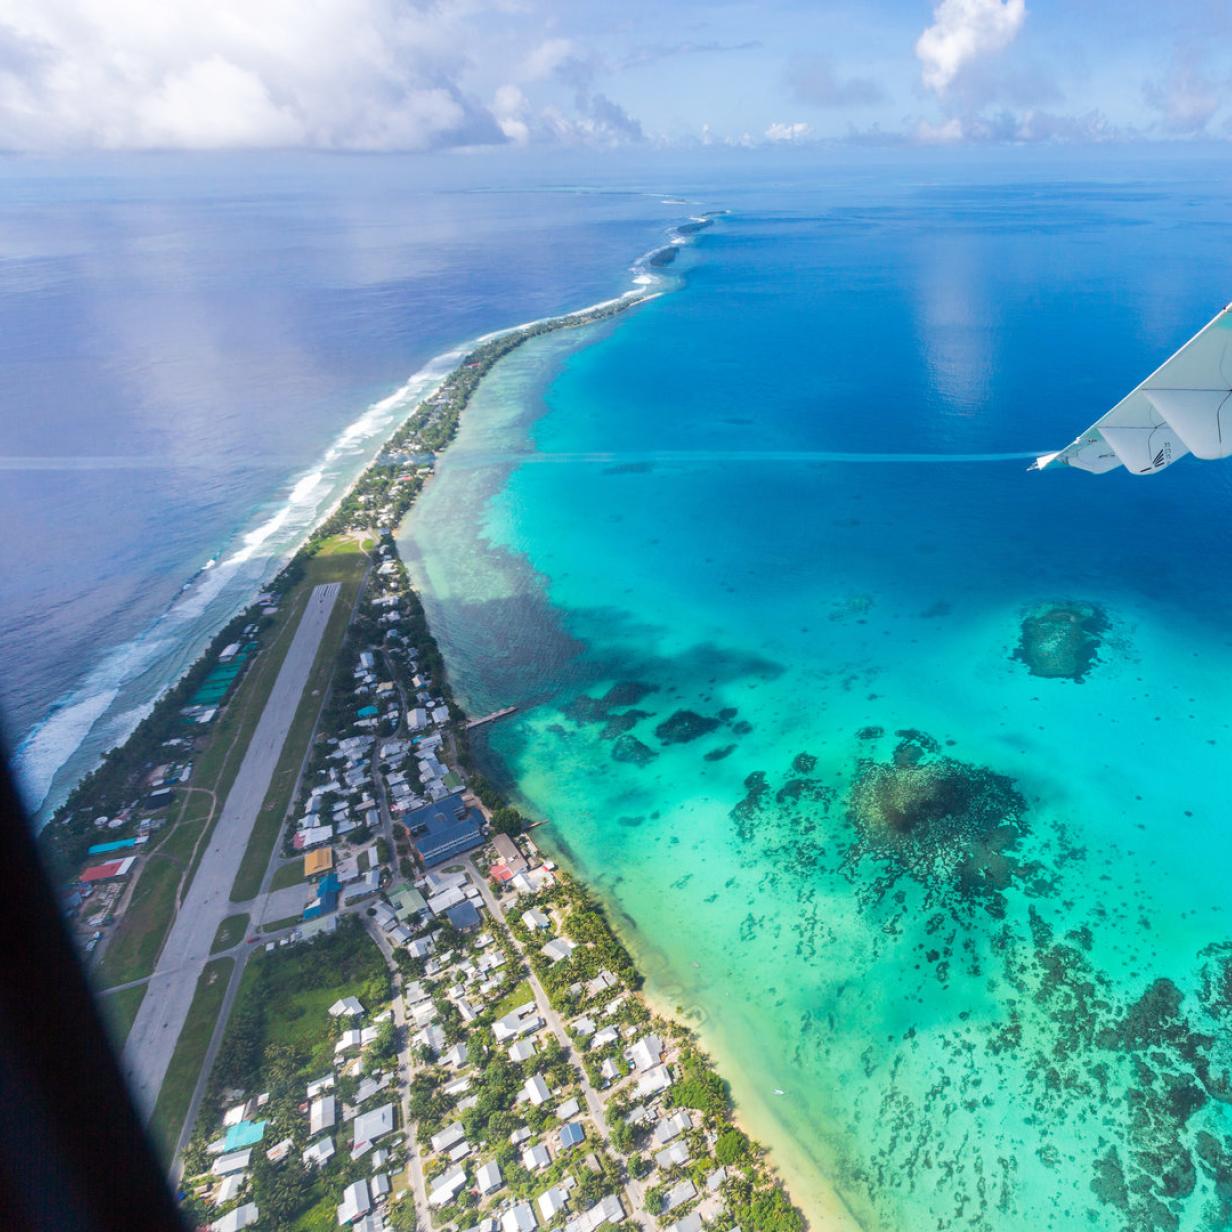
(208, 901)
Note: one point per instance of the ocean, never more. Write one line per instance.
(197, 355)
(906, 777)
(902, 769)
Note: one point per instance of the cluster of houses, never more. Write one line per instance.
(361, 1134)
(554, 1135)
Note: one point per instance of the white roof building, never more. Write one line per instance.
(242, 1217)
(646, 1053)
(321, 1114)
(519, 1218)
(230, 1188)
(523, 1050)
(535, 1157)
(370, 1126)
(534, 918)
(318, 1153)
(235, 1161)
(447, 1137)
(558, 949)
(349, 1006)
(552, 1201)
(444, 1188)
(355, 1202)
(653, 1081)
(537, 1090)
(488, 1177)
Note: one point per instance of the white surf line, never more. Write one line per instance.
(707, 456)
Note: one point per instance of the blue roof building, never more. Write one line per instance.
(326, 899)
(444, 829)
(571, 1135)
(463, 916)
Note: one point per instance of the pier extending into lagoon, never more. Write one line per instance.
(471, 724)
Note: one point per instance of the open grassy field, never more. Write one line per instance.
(288, 875)
(339, 560)
(186, 1061)
(230, 932)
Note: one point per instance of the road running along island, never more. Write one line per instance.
(152, 1040)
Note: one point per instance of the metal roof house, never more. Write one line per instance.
(444, 829)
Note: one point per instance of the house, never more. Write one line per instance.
(535, 1157)
(607, 1210)
(672, 1127)
(379, 1186)
(571, 1135)
(369, 1126)
(653, 1081)
(534, 918)
(463, 916)
(519, 1218)
(692, 1222)
(488, 1177)
(674, 1156)
(444, 829)
(508, 853)
(230, 1188)
(320, 1084)
(537, 1091)
(446, 1187)
(520, 1021)
(552, 1202)
(321, 1115)
(456, 1055)
(447, 1137)
(646, 1053)
(678, 1195)
(236, 1161)
(350, 1006)
(408, 903)
(355, 1202)
(523, 1050)
(242, 1217)
(557, 949)
(319, 1153)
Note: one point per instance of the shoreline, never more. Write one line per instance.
(825, 1210)
(804, 1181)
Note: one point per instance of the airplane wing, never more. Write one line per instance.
(1184, 406)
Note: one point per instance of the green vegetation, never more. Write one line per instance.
(289, 874)
(119, 1010)
(181, 1079)
(283, 1000)
(507, 820)
(133, 948)
(230, 932)
(731, 1147)
(332, 560)
(273, 926)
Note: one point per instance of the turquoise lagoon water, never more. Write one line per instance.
(1007, 1004)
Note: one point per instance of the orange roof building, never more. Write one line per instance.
(318, 861)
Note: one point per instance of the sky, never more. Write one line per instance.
(475, 75)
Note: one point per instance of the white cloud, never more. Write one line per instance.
(344, 74)
(779, 132)
(510, 107)
(546, 58)
(1186, 98)
(963, 31)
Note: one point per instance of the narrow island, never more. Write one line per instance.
(409, 1017)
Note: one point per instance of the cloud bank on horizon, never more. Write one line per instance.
(423, 75)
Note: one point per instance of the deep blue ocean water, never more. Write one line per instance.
(190, 355)
(1020, 1022)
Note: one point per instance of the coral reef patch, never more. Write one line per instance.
(1061, 641)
